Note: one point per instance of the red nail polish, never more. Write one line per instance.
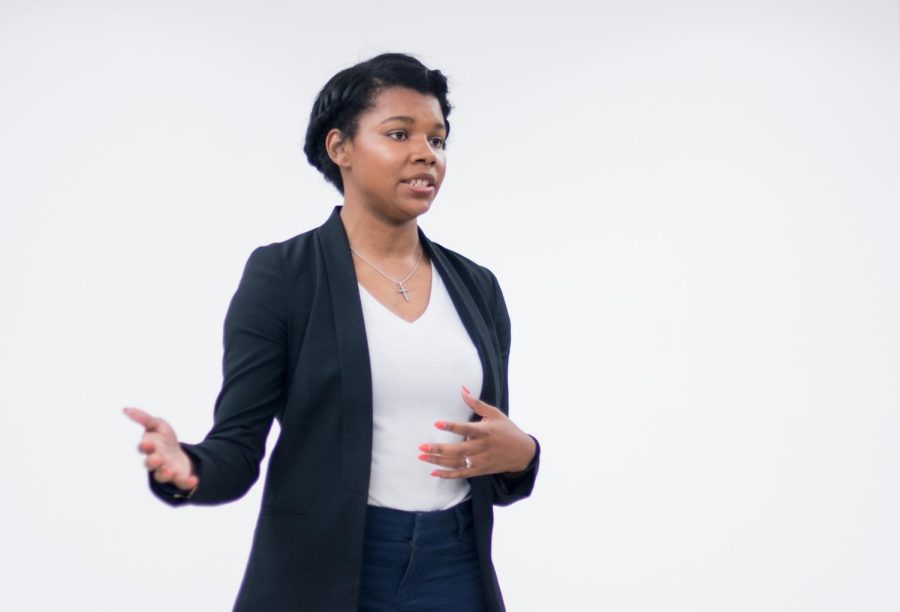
(440, 425)
(466, 389)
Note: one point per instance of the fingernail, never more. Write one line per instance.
(423, 448)
(466, 389)
(440, 425)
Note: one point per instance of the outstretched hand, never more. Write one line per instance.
(493, 445)
(165, 457)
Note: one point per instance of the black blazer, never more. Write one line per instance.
(295, 350)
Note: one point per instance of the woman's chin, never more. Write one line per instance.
(415, 206)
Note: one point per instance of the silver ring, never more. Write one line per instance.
(468, 462)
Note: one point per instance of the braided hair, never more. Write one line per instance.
(353, 91)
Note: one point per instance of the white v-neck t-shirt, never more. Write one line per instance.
(418, 369)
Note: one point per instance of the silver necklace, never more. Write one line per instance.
(402, 289)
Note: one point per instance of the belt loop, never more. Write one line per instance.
(416, 526)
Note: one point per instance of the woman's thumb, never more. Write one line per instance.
(186, 483)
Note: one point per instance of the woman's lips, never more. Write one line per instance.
(419, 188)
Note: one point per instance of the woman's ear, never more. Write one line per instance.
(337, 148)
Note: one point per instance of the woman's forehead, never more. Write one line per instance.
(407, 106)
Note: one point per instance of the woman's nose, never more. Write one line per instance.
(424, 150)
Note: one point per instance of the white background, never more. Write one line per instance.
(693, 209)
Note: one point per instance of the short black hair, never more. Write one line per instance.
(353, 91)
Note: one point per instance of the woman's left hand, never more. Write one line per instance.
(493, 445)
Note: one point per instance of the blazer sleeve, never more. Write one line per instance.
(510, 487)
(254, 369)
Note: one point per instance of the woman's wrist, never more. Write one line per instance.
(530, 460)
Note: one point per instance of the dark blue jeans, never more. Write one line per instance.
(420, 561)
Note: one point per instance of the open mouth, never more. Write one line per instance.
(420, 186)
(419, 183)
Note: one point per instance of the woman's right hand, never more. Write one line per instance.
(165, 457)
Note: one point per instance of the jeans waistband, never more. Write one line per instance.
(404, 525)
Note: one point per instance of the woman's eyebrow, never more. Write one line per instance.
(408, 119)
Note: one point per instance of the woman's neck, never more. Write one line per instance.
(377, 237)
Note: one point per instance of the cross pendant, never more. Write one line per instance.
(404, 291)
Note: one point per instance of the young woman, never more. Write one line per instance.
(383, 355)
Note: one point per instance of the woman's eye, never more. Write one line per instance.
(436, 142)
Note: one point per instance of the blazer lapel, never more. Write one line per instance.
(353, 354)
(472, 320)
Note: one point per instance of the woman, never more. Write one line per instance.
(357, 336)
